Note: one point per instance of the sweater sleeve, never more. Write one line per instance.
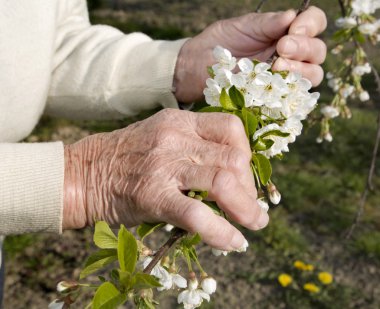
(98, 72)
(31, 187)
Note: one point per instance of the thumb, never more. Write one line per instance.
(272, 26)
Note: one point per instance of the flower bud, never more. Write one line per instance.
(67, 286)
(209, 285)
(218, 252)
(274, 194)
(168, 227)
(263, 204)
(319, 140)
(193, 281)
(328, 137)
(364, 96)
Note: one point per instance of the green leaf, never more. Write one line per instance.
(250, 122)
(275, 133)
(226, 101)
(214, 207)
(211, 109)
(107, 296)
(145, 229)
(262, 144)
(264, 168)
(125, 279)
(144, 281)
(210, 72)
(236, 97)
(127, 250)
(98, 260)
(191, 240)
(104, 238)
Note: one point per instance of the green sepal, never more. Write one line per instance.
(126, 250)
(210, 72)
(98, 260)
(262, 144)
(226, 102)
(264, 168)
(191, 241)
(275, 133)
(107, 296)
(236, 97)
(104, 238)
(145, 229)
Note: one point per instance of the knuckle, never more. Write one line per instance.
(223, 179)
(167, 136)
(237, 159)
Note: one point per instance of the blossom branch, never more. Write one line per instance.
(260, 5)
(371, 172)
(176, 235)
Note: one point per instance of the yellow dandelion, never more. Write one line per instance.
(325, 277)
(309, 267)
(311, 287)
(299, 265)
(285, 280)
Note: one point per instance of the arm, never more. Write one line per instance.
(31, 187)
(99, 72)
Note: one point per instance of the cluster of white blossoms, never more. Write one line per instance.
(282, 99)
(359, 25)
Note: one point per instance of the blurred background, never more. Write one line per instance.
(321, 187)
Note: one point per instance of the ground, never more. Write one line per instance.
(321, 187)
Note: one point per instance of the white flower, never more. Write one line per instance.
(364, 96)
(347, 90)
(168, 227)
(192, 297)
(334, 83)
(166, 279)
(209, 285)
(346, 22)
(223, 78)
(64, 286)
(329, 111)
(56, 304)
(319, 140)
(274, 194)
(218, 252)
(212, 92)
(360, 70)
(368, 28)
(263, 204)
(280, 143)
(364, 7)
(224, 58)
(328, 137)
(268, 89)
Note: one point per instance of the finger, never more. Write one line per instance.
(208, 153)
(310, 71)
(311, 22)
(263, 24)
(229, 194)
(302, 48)
(195, 217)
(222, 128)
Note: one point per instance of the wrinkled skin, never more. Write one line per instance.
(257, 36)
(138, 174)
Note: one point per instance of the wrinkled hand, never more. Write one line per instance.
(138, 174)
(256, 36)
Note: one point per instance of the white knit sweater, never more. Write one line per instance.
(52, 60)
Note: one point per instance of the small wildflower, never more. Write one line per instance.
(325, 278)
(209, 285)
(299, 265)
(311, 287)
(192, 297)
(285, 280)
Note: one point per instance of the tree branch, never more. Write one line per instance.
(260, 5)
(371, 172)
(342, 8)
(176, 235)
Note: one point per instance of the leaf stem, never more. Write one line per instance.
(176, 235)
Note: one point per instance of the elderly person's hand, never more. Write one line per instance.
(138, 174)
(255, 36)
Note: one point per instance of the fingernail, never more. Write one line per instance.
(238, 241)
(301, 30)
(291, 47)
(263, 219)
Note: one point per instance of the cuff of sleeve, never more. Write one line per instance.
(31, 187)
(146, 77)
